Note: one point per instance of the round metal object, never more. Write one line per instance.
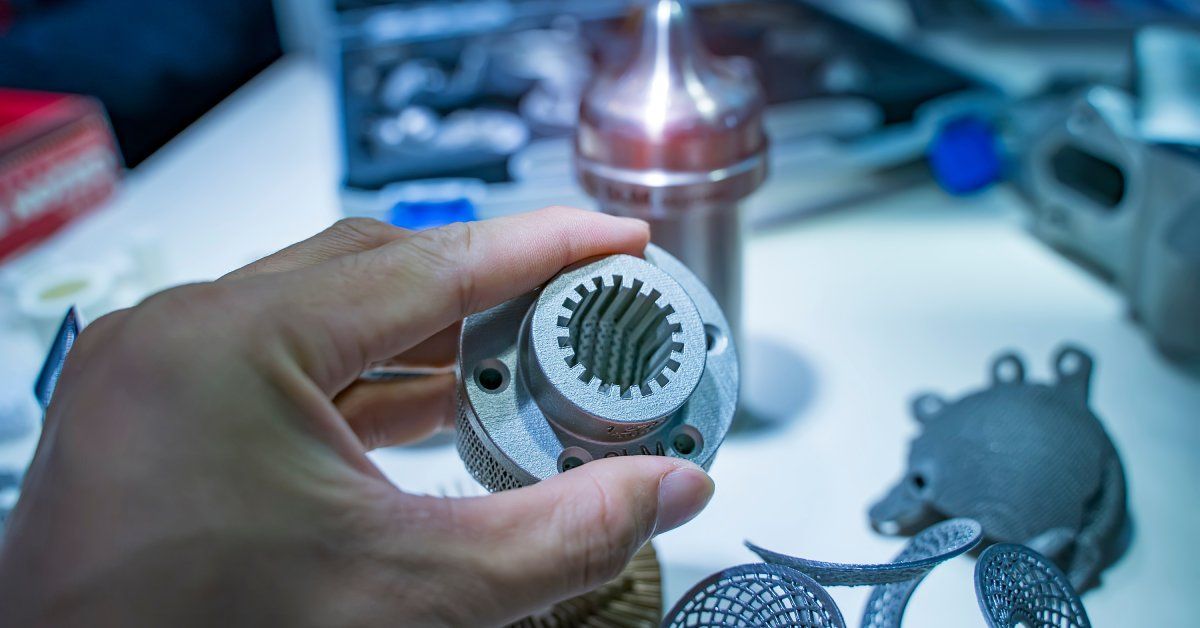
(753, 596)
(894, 582)
(675, 137)
(619, 356)
(675, 126)
(1017, 586)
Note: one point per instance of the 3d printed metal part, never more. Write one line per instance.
(632, 599)
(894, 582)
(1016, 586)
(1030, 461)
(620, 356)
(756, 595)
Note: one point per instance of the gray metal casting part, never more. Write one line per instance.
(1110, 185)
(619, 356)
(1029, 461)
(894, 582)
(756, 595)
(1017, 586)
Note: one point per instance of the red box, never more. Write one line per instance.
(58, 161)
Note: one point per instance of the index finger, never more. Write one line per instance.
(365, 307)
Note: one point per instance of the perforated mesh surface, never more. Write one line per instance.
(925, 551)
(1017, 586)
(756, 595)
(895, 581)
(479, 461)
(631, 600)
(935, 544)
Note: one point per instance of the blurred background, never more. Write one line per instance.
(947, 180)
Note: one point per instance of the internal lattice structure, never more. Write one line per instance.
(756, 595)
(1017, 586)
(894, 582)
(621, 334)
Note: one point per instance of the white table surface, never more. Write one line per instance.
(847, 314)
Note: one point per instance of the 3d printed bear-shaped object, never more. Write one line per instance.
(1030, 462)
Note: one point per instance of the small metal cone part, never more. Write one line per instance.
(632, 600)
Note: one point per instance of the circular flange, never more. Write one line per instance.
(619, 356)
(616, 347)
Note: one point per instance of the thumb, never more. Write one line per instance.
(577, 530)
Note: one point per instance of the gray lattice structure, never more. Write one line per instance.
(756, 595)
(1016, 586)
(894, 582)
(1030, 461)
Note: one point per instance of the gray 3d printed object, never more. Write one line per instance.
(620, 356)
(1030, 462)
(756, 595)
(894, 582)
(1016, 586)
(1114, 180)
(632, 599)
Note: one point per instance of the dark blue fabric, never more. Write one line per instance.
(156, 65)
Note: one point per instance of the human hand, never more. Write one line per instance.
(203, 460)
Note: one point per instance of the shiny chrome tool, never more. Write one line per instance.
(619, 356)
(676, 138)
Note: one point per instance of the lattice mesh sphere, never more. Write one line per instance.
(1016, 586)
(753, 596)
(895, 581)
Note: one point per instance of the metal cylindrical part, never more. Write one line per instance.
(676, 138)
(708, 240)
(619, 356)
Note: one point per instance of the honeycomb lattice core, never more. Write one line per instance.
(620, 335)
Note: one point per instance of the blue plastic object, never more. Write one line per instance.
(47, 380)
(417, 215)
(965, 155)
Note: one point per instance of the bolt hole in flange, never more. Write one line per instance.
(572, 457)
(492, 376)
(714, 339)
(686, 441)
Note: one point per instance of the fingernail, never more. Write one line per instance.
(682, 494)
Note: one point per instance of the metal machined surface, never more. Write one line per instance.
(619, 356)
(675, 137)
